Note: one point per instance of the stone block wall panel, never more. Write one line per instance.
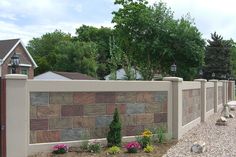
(210, 99)
(68, 116)
(220, 95)
(191, 105)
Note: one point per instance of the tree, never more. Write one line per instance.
(153, 39)
(114, 134)
(42, 49)
(100, 36)
(76, 57)
(57, 51)
(218, 57)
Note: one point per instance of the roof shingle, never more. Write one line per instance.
(6, 46)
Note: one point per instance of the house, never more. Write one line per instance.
(55, 75)
(26, 63)
(121, 75)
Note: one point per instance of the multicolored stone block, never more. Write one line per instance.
(191, 105)
(68, 116)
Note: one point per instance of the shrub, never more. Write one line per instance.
(145, 138)
(133, 147)
(114, 150)
(160, 135)
(94, 147)
(84, 145)
(148, 149)
(60, 149)
(114, 134)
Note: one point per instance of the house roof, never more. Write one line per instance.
(8, 46)
(75, 75)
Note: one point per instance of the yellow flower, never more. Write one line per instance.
(147, 133)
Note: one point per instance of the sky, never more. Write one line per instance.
(27, 19)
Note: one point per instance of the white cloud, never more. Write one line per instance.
(26, 33)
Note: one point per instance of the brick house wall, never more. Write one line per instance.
(24, 59)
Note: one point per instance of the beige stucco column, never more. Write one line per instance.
(232, 89)
(215, 94)
(203, 99)
(177, 84)
(16, 115)
(224, 92)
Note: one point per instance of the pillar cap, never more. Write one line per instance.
(223, 80)
(16, 77)
(173, 79)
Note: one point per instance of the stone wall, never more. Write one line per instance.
(191, 105)
(229, 91)
(220, 95)
(68, 116)
(209, 98)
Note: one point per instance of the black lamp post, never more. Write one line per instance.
(213, 75)
(15, 61)
(200, 73)
(173, 69)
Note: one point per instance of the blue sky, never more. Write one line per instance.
(26, 19)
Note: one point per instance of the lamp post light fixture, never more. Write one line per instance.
(15, 61)
(200, 73)
(173, 69)
(213, 75)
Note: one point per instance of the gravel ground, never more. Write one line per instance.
(220, 140)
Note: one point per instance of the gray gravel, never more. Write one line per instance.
(220, 140)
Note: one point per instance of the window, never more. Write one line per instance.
(24, 71)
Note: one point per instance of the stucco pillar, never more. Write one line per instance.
(215, 94)
(177, 84)
(203, 99)
(232, 89)
(16, 115)
(224, 92)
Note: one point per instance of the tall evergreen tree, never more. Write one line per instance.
(114, 135)
(217, 58)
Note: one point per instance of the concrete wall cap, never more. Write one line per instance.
(16, 77)
(173, 79)
(213, 80)
(223, 80)
(200, 80)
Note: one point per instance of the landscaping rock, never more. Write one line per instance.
(222, 121)
(232, 108)
(231, 115)
(198, 147)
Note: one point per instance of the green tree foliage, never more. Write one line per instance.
(114, 134)
(233, 59)
(218, 57)
(42, 49)
(100, 36)
(153, 39)
(57, 52)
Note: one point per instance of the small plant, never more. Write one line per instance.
(133, 147)
(114, 150)
(145, 138)
(160, 135)
(94, 147)
(60, 149)
(114, 134)
(148, 149)
(84, 145)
